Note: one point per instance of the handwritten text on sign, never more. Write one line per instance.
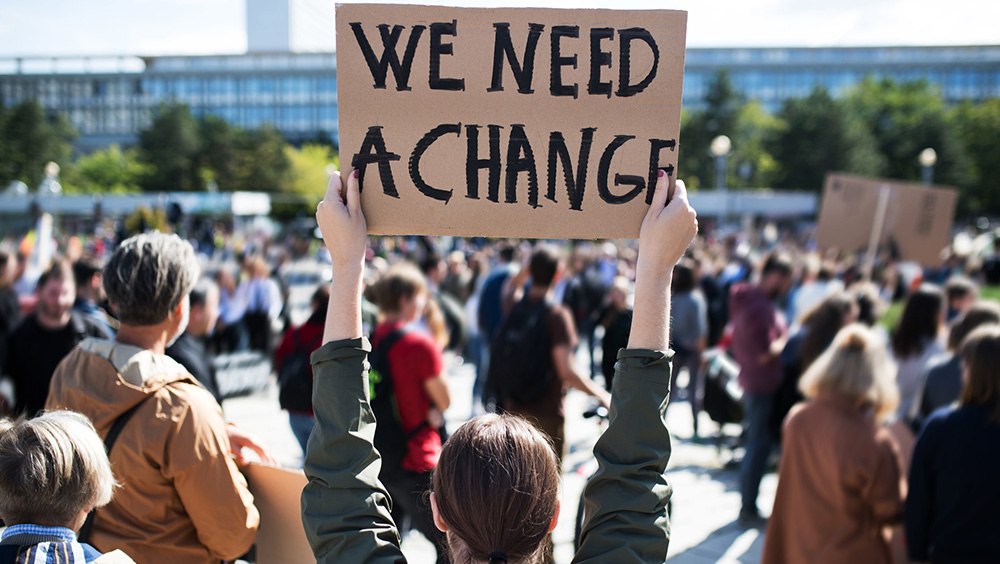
(508, 122)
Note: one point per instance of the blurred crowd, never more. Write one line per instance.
(858, 405)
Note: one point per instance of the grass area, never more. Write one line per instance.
(891, 316)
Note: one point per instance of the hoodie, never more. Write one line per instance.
(182, 499)
(756, 324)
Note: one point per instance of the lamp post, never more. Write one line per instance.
(927, 160)
(719, 149)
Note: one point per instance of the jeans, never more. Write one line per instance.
(302, 426)
(756, 413)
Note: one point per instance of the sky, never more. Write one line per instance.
(165, 27)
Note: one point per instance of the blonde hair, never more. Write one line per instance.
(52, 467)
(856, 367)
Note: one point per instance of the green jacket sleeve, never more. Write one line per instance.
(626, 499)
(345, 509)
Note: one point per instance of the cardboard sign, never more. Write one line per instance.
(916, 224)
(535, 123)
(277, 494)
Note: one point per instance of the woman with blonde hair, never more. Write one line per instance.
(951, 507)
(838, 482)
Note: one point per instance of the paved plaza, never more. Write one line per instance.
(706, 499)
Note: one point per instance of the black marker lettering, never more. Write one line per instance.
(598, 60)
(517, 164)
(473, 164)
(438, 48)
(503, 47)
(556, 86)
(625, 38)
(574, 188)
(379, 67)
(655, 146)
(381, 156)
(636, 181)
(418, 152)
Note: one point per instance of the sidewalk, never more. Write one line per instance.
(706, 500)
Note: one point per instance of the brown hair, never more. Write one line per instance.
(824, 321)
(980, 313)
(496, 487)
(981, 355)
(60, 270)
(920, 321)
(402, 280)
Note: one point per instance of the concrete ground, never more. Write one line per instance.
(706, 500)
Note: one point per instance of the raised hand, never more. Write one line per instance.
(342, 222)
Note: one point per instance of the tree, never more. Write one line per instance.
(108, 170)
(261, 162)
(751, 159)
(905, 118)
(217, 158)
(170, 147)
(309, 170)
(817, 135)
(978, 128)
(30, 139)
(720, 117)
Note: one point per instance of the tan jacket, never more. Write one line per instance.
(182, 498)
(838, 487)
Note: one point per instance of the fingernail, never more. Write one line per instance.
(355, 173)
(660, 173)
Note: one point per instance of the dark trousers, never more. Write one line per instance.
(696, 382)
(259, 327)
(408, 491)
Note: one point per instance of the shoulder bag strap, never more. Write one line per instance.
(109, 443)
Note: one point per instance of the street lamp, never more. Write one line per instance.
(927, 160)
(719, 149)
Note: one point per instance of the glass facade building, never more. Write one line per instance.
(109, 99)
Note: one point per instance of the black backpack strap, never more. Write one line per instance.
(109, 443)
(382, 352)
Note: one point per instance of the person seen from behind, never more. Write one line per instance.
(916, 340)
(839, 478)
(53, 472)
(953, 496)
(291, 363)
(688, 335)
(183, 499)
(495, 491)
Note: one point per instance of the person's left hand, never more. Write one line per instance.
(239, 439)
(342, 223)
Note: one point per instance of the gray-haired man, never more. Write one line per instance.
(183, 498)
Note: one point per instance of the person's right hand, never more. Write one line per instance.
(668, 228)
(342, 223)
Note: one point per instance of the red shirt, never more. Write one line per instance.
(413, 360)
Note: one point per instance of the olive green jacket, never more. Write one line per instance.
(345, 508)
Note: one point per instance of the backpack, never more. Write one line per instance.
(521, 354)
(390, 438)
(295, 377)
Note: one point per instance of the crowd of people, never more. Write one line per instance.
(887, 437)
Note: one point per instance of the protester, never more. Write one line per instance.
(53, 472)
(489, 315)
(496, 491)
(190, 348)
(184, 500)
(943, 383)
(90, 294)
(291, 363)
(420, 392)
(961, 293)
(261, 295)
(688, 335)
(759, 331)
(534, 347)
(951, 507)
(915, 342)
(839, 480)
(617, 322)
(10, 307)
(230, 334)
(816, 332)
(40, 342)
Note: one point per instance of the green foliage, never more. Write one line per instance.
(261, 163)
(978, 127)
(818, 135)
(28, 139)
(218, 155)
(309, 170)
(699, 128)
(144, 219)
(170, 147)
(108, 170)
